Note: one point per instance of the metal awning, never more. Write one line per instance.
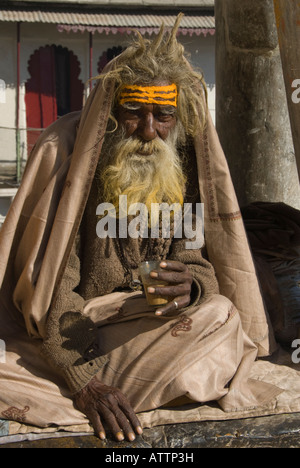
(111, 22)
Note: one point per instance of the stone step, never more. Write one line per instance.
(278, 431)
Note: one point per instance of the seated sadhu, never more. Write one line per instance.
(72, 307)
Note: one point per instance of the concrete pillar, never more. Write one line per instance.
(251, 107)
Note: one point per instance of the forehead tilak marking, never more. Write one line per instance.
(166, 95)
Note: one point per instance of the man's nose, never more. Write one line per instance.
(147, 128)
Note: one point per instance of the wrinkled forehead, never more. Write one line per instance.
(160, 94)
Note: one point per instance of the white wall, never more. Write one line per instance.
(202, 56)
(8, 73)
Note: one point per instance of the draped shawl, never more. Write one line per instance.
(41, 225)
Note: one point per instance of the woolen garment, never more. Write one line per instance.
(96, 269)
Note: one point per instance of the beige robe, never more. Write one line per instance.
(35, 243)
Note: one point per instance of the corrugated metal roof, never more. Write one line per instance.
(135, 3)
(117, 20)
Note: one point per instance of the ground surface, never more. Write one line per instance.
(280, 431)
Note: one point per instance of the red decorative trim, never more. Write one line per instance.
(183, 325)
(15, 414)
(229, 316)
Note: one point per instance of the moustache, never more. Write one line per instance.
(134, 146)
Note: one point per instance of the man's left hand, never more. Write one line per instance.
(179, 280)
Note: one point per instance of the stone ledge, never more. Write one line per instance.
(279, 431)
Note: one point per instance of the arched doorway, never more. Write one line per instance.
(52, 90)
(107, 56)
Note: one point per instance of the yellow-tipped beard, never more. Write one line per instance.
(155, 176)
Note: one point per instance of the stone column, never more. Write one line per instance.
(251, 106)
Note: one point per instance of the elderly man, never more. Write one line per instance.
(144, 134)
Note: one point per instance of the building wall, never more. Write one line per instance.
(33, 36)
(8, 73)
(134, 3)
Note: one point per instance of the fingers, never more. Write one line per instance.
(107, 405)
(172, 265)
(130, 414)
(173, 272)
(116, 421)
(176, 304)
(171, 290)
(123, 418)
(119, 417)
(179, 280)
(95, 420)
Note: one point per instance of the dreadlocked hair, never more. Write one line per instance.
(145, 61)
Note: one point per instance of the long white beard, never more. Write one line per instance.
(146, 179)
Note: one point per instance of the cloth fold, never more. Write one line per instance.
(184, 358)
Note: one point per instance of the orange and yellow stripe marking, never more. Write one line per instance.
(162, 95)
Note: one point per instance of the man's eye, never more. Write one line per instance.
(131, 112)
(164, 117)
